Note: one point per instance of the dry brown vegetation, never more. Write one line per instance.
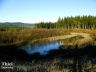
(57, 65)
(26, 35)
(17, 37)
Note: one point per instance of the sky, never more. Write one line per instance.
(34, 11)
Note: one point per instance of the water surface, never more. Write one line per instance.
(42, 48)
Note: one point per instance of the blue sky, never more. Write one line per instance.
(32, 11)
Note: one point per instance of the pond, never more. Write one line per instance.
(42, 48)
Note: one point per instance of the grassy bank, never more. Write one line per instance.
(16, 37)
(26, 35)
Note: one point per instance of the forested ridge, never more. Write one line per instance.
(82, 22)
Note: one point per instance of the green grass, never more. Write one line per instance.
(10, 27)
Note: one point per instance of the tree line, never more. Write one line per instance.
(82, 22)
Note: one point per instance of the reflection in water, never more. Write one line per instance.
(62, 60)
(42, 48)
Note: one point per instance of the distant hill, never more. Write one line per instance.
(17, 24)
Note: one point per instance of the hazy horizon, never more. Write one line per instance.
(34, 11)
